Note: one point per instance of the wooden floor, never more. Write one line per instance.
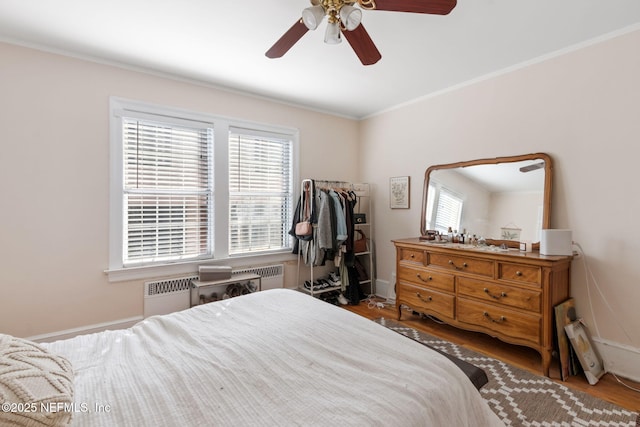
(607, 388)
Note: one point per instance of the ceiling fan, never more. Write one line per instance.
(344, 18)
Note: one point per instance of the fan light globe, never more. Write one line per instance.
(350, 17)
(332, 36)
(312, 16)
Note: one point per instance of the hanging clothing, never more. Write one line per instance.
(305, 210)
(341, 224)
(353, 292)
(350, 202)
(315, 251)
(324, 232)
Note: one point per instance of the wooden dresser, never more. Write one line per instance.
(507, 294)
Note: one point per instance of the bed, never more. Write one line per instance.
(271, 358)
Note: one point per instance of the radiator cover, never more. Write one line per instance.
(169, 295)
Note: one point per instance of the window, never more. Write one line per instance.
(180, 178)
(167, 190)
(445, 210)
(260, 191)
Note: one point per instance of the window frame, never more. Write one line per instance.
(119, 107)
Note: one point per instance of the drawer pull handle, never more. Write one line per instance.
(423, 279)
(500, 320)
(518, 273)
(488, 292)
(428, 299)
(464, 264)
(412, 256)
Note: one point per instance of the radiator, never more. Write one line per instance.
(167, 296)
(272, 275)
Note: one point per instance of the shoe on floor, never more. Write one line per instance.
(342, 300)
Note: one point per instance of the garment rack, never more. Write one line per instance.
(312, 185)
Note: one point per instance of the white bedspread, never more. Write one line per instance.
(272, 358)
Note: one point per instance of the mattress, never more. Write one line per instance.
(271, 358)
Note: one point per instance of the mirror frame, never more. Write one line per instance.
(548, 172)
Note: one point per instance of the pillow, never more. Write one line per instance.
(36, 386)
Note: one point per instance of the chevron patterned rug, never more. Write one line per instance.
(521, 398)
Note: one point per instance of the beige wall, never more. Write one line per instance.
(583, 108)
(54, 119)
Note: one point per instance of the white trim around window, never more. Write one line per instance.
(219, 221)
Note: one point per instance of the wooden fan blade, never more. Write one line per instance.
(287, 40)
(435, 7)
(363, 45)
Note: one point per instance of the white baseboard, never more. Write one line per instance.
(620, 359)
(99, 327)
(385, 290)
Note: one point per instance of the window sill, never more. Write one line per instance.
(190, 268)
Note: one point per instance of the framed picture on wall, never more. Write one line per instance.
(399, 192)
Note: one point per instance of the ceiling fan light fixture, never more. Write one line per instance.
(312, 16)
(345, 16)
(332, 36)
(350, 17)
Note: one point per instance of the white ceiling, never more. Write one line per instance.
(223, 43)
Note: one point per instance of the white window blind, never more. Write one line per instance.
(448, 211)
(260, 191)
(167, 191)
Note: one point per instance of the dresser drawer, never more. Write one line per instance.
(411, 256)
(520, 273)
(462, 264)
(504, 321)
(500, 294)
(423, 277)
(426, 300)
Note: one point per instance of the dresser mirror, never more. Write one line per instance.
(505, 200)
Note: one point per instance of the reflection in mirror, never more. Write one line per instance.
(505, 198)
